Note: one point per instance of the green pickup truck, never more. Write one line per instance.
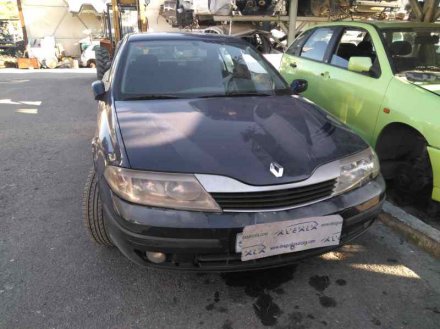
(383, 80)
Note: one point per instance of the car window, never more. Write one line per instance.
(295, 47)
(414, 49)
(194, 68)
(316, 45)
(353, 43)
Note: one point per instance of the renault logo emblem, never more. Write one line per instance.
(276, 169)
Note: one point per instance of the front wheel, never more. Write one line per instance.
(92, 211)
(412, 177)
(102, 58)
(434, 210)
(415, 174)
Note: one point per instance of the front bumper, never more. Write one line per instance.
(206, 241)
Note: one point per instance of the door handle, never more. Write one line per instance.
(293, 65)
(325, 75)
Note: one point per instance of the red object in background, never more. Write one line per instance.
(25, 63)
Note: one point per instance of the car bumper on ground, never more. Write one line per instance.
(206, 241)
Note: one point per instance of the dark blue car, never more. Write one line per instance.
(205, 159)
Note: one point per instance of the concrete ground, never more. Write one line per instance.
(53, 276)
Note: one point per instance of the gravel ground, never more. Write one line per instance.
(52, 276)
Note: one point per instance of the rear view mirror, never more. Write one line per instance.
(98, 90)
(360, 64)
(299, 85)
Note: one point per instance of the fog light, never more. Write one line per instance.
(369, 204)
(156, 257)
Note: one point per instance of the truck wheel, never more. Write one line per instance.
(102, 58)
(92, 211)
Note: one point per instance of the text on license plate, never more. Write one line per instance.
(264, 240)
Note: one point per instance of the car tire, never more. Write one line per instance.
(102, 58)
(92, 65)
(434, 210)
(93, 213)
(413, 179)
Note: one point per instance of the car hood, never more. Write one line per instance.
(237, 137)
(433, 86)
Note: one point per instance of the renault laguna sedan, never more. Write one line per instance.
(205, 159)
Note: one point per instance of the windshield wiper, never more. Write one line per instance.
(238, 94)
(427, 68)
(235, 94)
(146, 97)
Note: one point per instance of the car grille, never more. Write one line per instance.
(276, 199)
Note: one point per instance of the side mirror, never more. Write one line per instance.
(360, 64)
(299, 85)
(98, 90)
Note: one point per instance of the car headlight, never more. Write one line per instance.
(356, 170)
(166, 190)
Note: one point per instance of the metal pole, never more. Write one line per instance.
(108, 30)
(116, 25)
(23, 25)
(138, 12)
(265, 18)
(142, 16)
(293, 10)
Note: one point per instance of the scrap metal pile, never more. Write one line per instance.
(194, 13)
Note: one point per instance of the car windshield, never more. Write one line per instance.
(414, 52)
(195, 68)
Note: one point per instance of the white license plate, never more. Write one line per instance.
(264, 240)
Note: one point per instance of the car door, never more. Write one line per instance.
(304, 58)
(355, 98)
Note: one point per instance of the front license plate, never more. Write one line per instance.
(264, 240)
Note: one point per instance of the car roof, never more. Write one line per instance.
(404, 24)
(382, 24)
(183, 36)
